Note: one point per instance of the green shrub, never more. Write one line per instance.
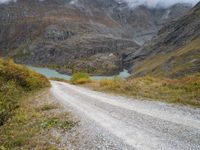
(9, 92)
(80, 78)
(27, 79)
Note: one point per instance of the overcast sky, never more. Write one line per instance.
(5, 1)
(161, 3)
(149, 3)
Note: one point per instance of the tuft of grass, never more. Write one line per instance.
(57, 123)
(184, 91)
(80, 78)
(47, 107)
(110, 84)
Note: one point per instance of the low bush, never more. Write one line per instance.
(80, 78)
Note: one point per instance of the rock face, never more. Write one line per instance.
(101, 63)
(173, 53)
(70, 34)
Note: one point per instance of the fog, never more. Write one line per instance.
(6, 1)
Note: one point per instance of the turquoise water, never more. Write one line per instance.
(49, 73)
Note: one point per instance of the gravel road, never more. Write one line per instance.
(115, 122)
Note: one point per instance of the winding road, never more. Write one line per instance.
(135, 124)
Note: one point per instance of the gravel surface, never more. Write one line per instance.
(115, 122)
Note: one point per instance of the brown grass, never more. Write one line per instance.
(184, 91)
(182, 57)
(31, 125)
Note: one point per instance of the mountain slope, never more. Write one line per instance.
(174, 52)
(69, 35)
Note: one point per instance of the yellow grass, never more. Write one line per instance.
(185, 91)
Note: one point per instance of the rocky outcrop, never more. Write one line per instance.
(54, 33)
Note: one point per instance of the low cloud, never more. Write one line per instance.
(6, 1)
(148, 3)
(158, 3)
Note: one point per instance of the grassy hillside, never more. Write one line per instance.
(184, 91)
(15, 81)
(28, 112)
(179, 62)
